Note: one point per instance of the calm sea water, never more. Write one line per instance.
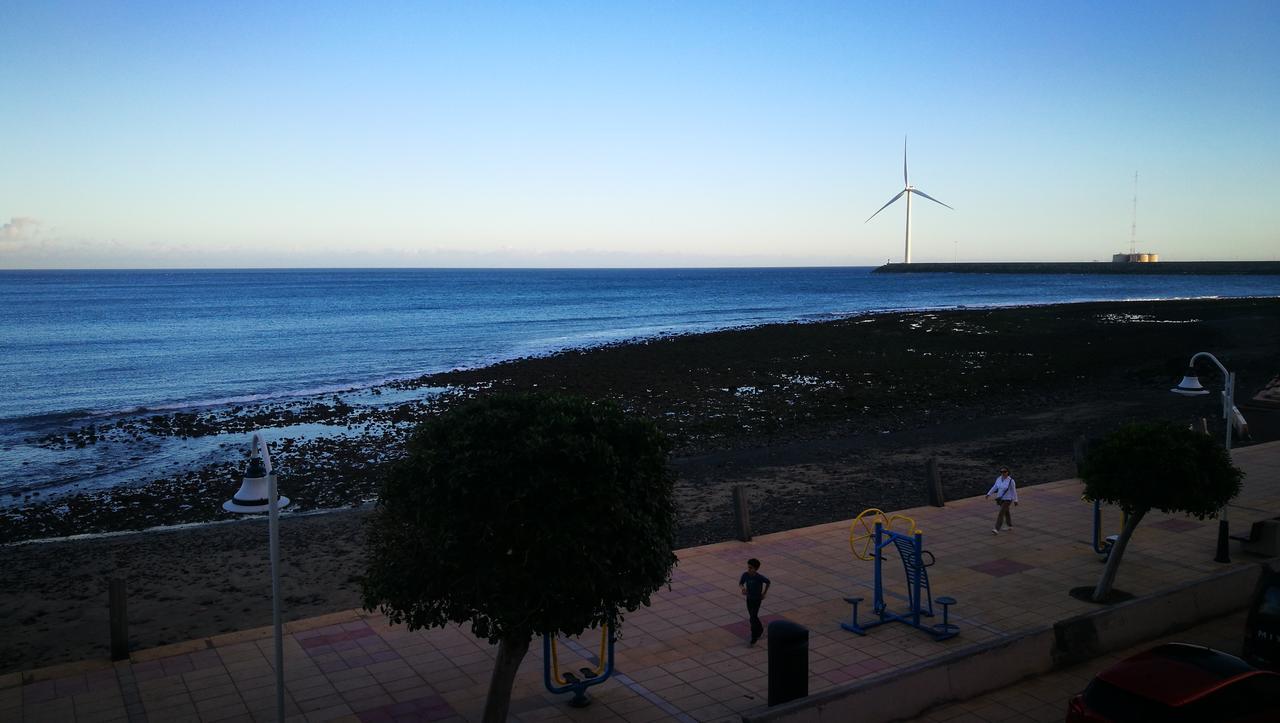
(80, 343)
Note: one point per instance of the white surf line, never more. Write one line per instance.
(175, 528)
(633, 686)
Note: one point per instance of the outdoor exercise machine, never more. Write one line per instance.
(1102, 545)
(565, 682)
(869, 535)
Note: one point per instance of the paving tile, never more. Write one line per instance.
(229, 711)
(353, 683)
(217, 690)
(39, 692)
(367, 699)
(103, 716)
(403, 683)
(171, 711)
(410, 694)
(307, 680)
(333, 713)
(324, 702)
(90, 702)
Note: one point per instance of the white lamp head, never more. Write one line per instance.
(255, 491)
(1190, 386)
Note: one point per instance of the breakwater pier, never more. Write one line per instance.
(1244, 268)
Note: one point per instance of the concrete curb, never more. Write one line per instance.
(979, 669)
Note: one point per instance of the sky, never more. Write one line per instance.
(619, 134)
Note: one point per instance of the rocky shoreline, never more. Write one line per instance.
(817, 421)
(716, 393)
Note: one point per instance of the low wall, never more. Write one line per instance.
(975, 670)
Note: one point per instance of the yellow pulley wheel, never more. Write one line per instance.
(862, 533)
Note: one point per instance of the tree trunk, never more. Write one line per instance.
(510, 653)
(1108, 579)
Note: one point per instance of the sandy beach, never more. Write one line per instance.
(817, 421)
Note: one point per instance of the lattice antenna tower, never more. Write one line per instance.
(1133, 227)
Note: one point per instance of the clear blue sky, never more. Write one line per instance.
(633, 134)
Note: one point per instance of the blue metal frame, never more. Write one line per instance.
(577, 686)
(1101, 545)
(910, 549)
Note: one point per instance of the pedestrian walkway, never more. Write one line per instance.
(685, 658)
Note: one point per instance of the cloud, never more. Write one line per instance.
(19, 228)
(19, 235)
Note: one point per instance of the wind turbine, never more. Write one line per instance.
(907, 191)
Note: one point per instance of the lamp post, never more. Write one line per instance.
(1190, 387)
(258, 494)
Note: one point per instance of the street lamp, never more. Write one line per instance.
(1190, 387)
(258, 494)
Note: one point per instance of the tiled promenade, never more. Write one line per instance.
(686, 657)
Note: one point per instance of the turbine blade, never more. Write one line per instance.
(887, 204)
(931, 198)
(905, 182)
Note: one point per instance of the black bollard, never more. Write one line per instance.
(788, 661)
(741, 513)
(933, 483)
(1079, 451)
(117, 600)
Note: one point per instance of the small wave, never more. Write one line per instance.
(282, 396)
(1177, 298)
(828, 315)
(49, 419)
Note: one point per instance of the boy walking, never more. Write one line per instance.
(754, 586)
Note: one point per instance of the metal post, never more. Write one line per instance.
(917, 548)
(259, 471)
(1191, 386)
(1228, 415)
(878, 602)
(275, 592)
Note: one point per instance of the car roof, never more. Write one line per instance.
(1177, 673)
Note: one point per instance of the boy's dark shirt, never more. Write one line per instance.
(755, 585)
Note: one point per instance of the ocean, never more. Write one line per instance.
(82, 346)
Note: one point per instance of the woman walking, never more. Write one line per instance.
(1006, 492)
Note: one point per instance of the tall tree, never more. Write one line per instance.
(523, 515)
(1156, 465)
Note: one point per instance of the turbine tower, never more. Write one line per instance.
(908, 190)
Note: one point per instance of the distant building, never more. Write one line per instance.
(1135, 258)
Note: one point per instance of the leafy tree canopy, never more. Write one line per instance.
(523, 514)
(1163, 466)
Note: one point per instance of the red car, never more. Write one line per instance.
(1179, 682)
